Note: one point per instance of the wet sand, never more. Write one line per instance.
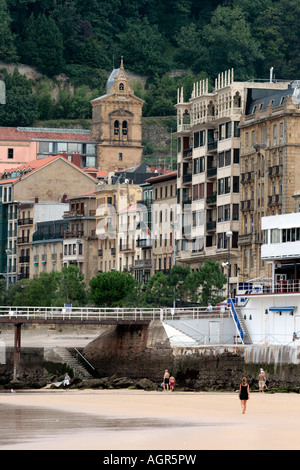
(140, 420)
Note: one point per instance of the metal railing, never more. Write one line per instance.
(88, 313)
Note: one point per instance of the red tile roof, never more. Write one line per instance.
(36, 164)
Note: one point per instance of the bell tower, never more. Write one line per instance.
(117, 124)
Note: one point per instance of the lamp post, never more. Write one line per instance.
(180, 286)
(228, 235)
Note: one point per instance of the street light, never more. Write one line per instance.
(180, 285)
(228, 235)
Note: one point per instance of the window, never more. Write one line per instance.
(227, 157)
(124, 128)
(236, 130)
(120, 157)
(274, 133)
(236, 184)
(221, 160)
(121, 86)
(235, 211)
(196, 139)
(116, 128)
(236, 156)
(201, 164)
(10, 153)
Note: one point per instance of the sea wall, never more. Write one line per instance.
(139, 352)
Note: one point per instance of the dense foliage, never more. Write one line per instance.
(118, 289)
(86, 38)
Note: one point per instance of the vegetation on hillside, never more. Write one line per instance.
(84, 39)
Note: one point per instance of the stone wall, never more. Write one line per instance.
(138, 352)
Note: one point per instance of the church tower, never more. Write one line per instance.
(117, 124)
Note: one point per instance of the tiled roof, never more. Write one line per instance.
(31, 134)
(36, 164)
(168, 175)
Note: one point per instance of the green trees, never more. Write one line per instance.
(111, 288)
(114, 288)
(21, 106)
(8, 51)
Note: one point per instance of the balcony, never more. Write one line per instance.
(212, 146)
(187, 178)
(23, 240)
(275, 200)
(187, 200)
(247, 177)
(143, 263)
(127, 248)
(245, 239)
(24, 259)
(247, 205)
(27, 221)
(80, 214)
(187, 153)
(211, 172)
(211, 225)
(276, 170)
(144, 243)
(75, 234)
(212, 199)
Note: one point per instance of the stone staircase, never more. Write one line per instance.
(68, 358)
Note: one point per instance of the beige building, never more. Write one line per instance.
(53, 180)
(209, 171)
(164, 219)
(270, 173)
(116, 220)
(117, 124)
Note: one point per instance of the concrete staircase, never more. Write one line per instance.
(68, 358)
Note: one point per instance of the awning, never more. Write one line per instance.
(282, 309)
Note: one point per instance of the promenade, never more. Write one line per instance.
(139, 420)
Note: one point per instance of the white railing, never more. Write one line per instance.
(88, 313)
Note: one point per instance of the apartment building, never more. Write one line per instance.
(46, 246)
(208, 179)
(270, 175)
(80, 243)
(164, 219)
(52, 179)
(115, 225)
(143, 256)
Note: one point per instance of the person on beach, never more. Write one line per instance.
(166, 380)
(261, 381)
(244, 394)
(66, 381)
(172, 383)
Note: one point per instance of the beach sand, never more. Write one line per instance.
(140, 420)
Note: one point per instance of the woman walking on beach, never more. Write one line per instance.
(244, 394)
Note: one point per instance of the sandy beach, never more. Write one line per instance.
(140, 420)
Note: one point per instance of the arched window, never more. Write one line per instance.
(121, 86)
(116, 128)
(124, 128)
